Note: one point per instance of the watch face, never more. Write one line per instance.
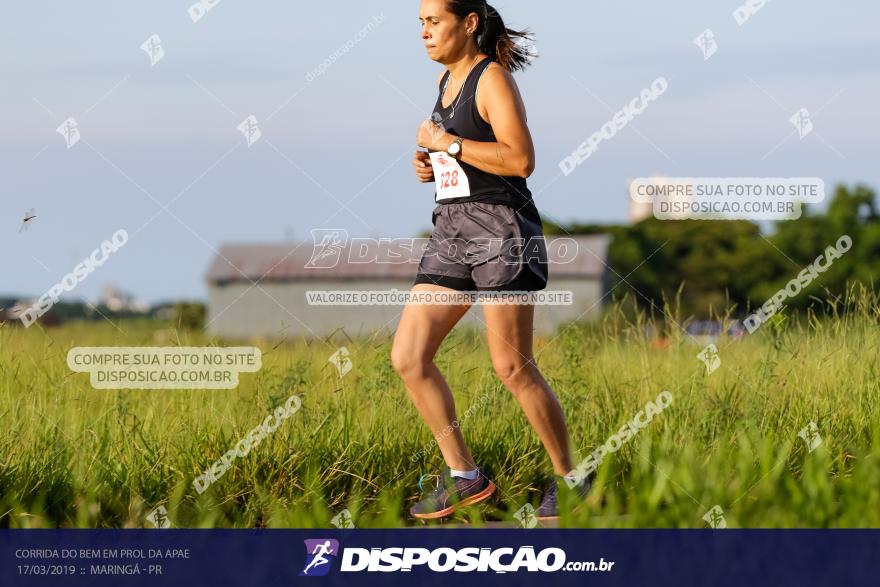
(454, 148)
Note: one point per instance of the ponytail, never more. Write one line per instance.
(493, 37)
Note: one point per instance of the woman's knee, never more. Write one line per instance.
(409, 362)
(513, 370)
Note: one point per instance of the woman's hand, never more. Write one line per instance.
(424, 170)
(433, 136)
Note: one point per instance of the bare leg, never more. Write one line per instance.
(421, 330)
(509, 333)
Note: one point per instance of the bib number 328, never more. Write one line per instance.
(452, 181)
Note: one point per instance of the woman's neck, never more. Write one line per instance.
(460, 68)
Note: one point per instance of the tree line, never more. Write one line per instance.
(712, 265)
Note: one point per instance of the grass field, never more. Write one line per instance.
(73, 456)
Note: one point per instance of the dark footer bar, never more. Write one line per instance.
(436, 556)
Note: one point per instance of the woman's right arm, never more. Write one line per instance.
(421, 160)
(424, 171)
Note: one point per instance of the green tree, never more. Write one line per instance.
(850, 213)
(716, 264)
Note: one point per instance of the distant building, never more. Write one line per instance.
(639, 211)
(260, 290)
(116, 300)
(12, 314)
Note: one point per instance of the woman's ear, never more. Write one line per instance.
(473, 21)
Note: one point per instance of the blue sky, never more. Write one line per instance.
(168, 132)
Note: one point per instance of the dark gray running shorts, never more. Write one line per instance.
(477, 246)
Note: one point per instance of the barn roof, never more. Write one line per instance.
(351, 261)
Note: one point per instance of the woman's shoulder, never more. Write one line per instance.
(496, 78)
(496, 69)
(494, 65)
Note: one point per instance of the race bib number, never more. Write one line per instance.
(452, 181)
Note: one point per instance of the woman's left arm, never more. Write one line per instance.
(514, 152)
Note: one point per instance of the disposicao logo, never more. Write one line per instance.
(318, 553)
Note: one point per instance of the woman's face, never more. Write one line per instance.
(444, 35)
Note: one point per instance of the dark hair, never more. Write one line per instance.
(493, 38)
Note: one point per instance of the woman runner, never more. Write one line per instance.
(480, 153)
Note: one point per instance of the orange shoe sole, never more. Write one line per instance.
(476, 498)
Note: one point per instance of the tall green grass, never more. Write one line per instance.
(73, 456)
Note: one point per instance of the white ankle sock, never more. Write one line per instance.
(469, 475)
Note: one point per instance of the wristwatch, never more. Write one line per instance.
(454, 149)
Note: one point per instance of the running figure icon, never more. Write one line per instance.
(319, 552)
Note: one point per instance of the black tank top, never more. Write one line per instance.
(469, 124)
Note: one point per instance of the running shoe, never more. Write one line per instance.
(549, 508)
(452, 494)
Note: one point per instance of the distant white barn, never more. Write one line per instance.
(261, 290)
